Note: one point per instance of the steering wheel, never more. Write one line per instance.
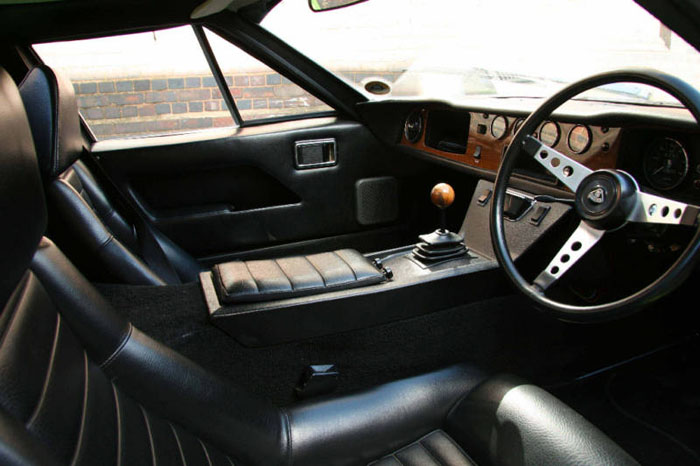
(605, 200)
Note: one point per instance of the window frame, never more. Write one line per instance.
(285, 69)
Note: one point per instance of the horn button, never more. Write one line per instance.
(605, 198)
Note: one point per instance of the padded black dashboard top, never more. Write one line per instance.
(290, 277)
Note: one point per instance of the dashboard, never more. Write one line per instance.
(659, 146)
(481, 139)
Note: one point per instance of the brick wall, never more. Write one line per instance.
(139, 107)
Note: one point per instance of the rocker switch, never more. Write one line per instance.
(539, 214)
(484, 198)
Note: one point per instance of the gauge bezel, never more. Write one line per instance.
(557, 139)
(517, 124)
(686, 159)
(588, 144)
(505, 129)
(421, 124)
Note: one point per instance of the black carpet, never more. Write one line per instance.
(651, 407)
(500, 335)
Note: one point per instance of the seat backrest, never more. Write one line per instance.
(87, 224)
(78, 383)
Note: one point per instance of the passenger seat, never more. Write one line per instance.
(89, 227)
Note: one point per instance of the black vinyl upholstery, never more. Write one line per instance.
(88, 218)
(290, 277)
(435, 449)
(80, 385)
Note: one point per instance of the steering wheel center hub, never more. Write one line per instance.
(605, 198)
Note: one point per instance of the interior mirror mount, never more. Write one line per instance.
(326, 5)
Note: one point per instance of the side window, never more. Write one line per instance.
(139, 85)
(259, 91)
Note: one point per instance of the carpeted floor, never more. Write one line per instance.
(500, 335)
(651, 406)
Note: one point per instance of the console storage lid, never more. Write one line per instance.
(290, 277)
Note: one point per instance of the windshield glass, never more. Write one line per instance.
(450, 49)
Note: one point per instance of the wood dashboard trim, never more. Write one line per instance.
(602, 153)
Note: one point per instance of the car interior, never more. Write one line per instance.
(358, 273)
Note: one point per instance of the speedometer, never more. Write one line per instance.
(665, 164)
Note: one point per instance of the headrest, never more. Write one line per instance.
(22, 205)
(53, 116)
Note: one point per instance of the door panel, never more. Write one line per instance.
(236, 193)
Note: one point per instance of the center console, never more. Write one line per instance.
(273, 301)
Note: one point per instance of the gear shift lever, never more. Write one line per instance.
(442, 196)
(441, 244)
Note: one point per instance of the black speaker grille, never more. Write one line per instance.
(377, 200)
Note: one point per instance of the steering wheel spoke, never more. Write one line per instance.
(564, 168)
(580, 242)
(656, 209)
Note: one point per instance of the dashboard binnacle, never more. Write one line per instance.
(663, 154)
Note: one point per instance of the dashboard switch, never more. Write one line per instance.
(539, 214)
(477, 152)
(484, 198)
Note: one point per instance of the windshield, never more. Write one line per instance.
(450, 49)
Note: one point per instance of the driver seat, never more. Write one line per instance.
(81, 385)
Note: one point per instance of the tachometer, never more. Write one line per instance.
(549, 134)
(499, 127)
(665, 164)
(579, 139)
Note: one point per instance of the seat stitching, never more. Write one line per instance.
(49, 373)
(288, 430)
(17, 303)
(316, 269)
(346, 263)
(83, 417)
(179, 445)
(257, 287)
(284, 273)
(206, 452)
(150, 435)
(119, 424)
(430, 453)
(119, 348)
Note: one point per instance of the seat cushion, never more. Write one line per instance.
(435, 449)
(71, 410)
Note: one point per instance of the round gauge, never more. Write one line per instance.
(549, 133)
(413, 128)
(518, 123)
(665, 163)
(579, 139)
(499, 127)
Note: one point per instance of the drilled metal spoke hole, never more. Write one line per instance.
(568, 171)
(555, 162)
(652, 209)
(544, 154)
(576, 246)
(677, 213)
(565, 258)
(664, 211)
(554, 270)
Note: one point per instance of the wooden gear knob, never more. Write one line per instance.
(442, 195)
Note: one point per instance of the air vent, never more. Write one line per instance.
(413, 128)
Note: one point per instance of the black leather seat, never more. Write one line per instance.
(114, 247)
(81, 385)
